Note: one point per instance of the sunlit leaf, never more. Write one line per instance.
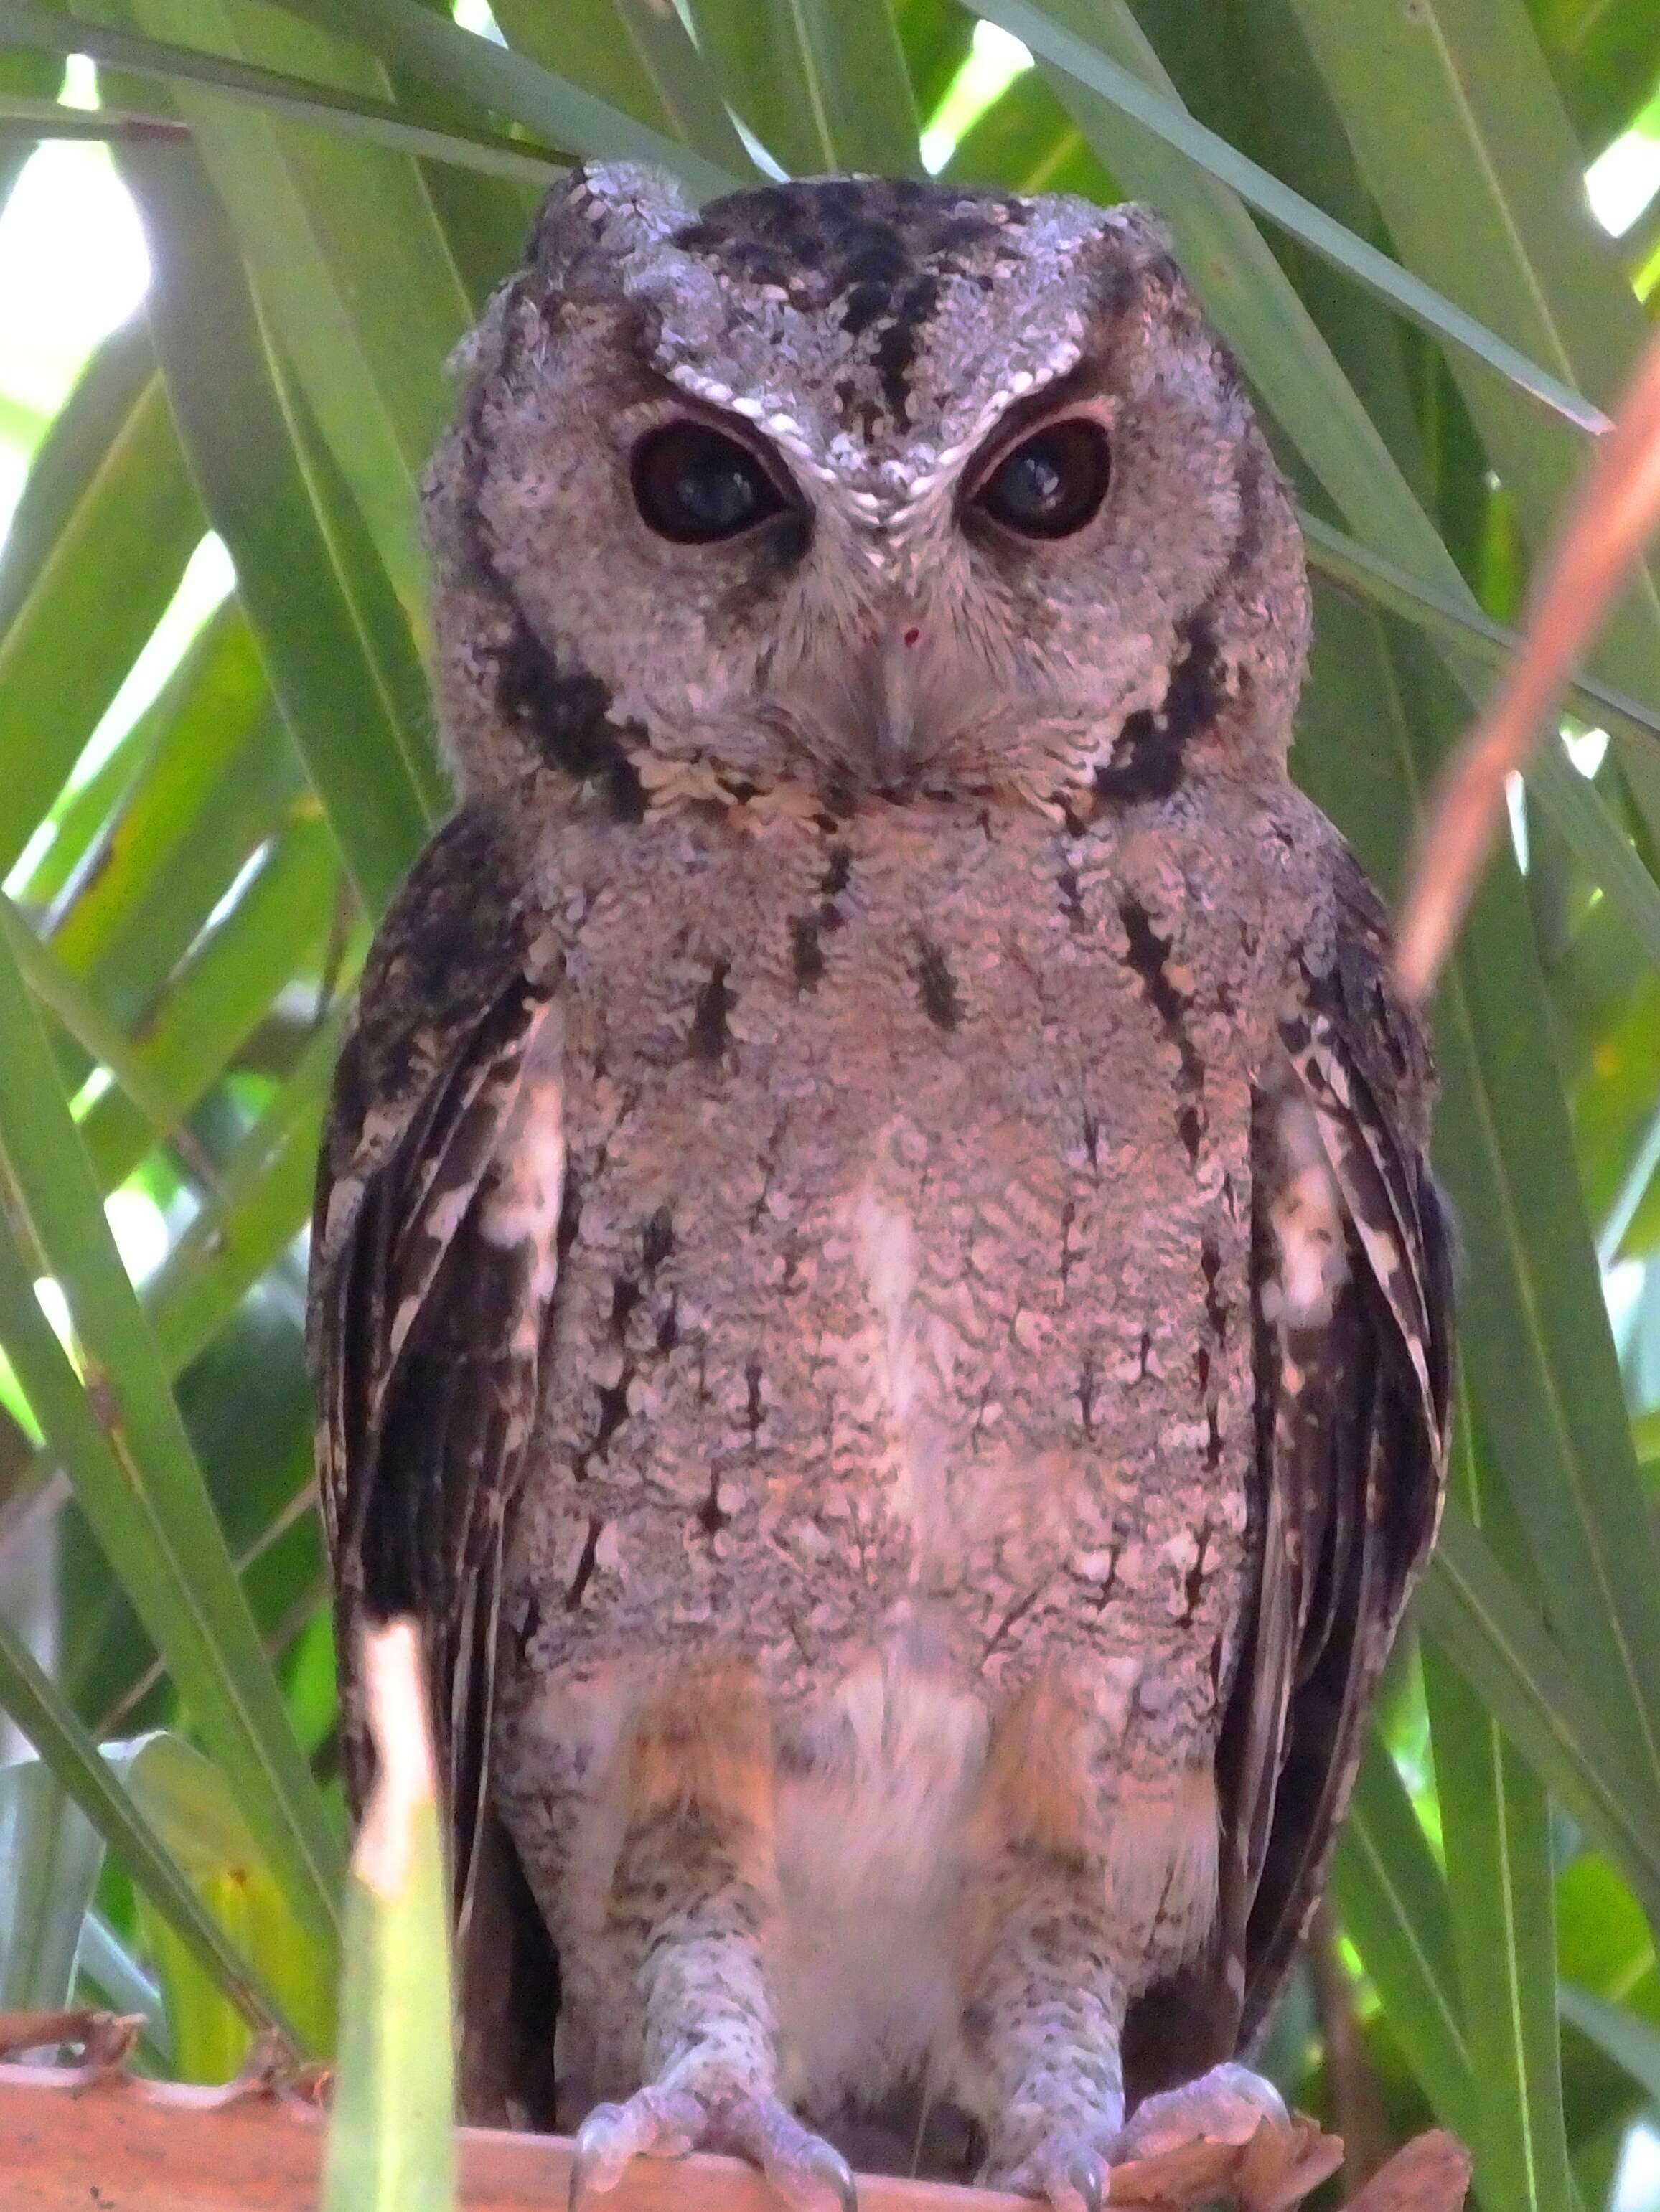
(50, 1857)
(28, 1694)
(101, 538)
(189, 1805)
(125, 1446)
(310, 628)
(1363, 261)
(821, 82)
(291, 97)
(1495, 1825)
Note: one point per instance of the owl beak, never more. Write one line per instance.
(896, 670)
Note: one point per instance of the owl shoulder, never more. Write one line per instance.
(1340, 973)
(470, 921)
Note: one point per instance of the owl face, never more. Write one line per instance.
(884, 490)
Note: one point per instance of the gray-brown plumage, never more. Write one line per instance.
(877, 1288)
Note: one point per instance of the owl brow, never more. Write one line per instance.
(1085, 379)
(739, 416)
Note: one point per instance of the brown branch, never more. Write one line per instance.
(81, 2136)
(1608, 523)
(1356, 2093)
(1431, 2174)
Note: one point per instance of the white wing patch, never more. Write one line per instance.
(521, 1208)
(1306, 1216)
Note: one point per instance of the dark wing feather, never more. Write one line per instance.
(432, 1272)
(1355, 1428)
(1351, 1442)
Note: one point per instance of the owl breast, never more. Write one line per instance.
(906, 1241)
(902, 1343)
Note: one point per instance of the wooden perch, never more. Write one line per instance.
(79, 2138)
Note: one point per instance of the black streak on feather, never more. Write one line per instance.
(808, 931)
(1216, 1311)
(658, 1241)
(1072, 903)
(709, 1039)
(937, 986)
(1146, 762)
(806, 955)
(565, 713)
(710, 1518)
(584, 1573)
(1146, 955)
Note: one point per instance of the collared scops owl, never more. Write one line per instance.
(876, 1291)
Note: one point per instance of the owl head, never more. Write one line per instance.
(884, 491)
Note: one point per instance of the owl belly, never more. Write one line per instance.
(916, 1303)
(887, 1826)
(875, 1793)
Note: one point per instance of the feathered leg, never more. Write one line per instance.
(1044, 1996)
(694, 1904)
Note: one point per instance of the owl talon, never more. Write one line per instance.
(1227, 2105)
(826, 2164)
(801, 2166)
(659, 2123)
(1087, 2176)
(1068, 2175)
(653, 2123)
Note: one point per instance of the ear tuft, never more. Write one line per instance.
(603, 211)
(1146, 235)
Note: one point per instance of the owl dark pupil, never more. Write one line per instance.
(695, 486)
(1035, 483)
(717, 494)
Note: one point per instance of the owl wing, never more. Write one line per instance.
(434, 1249)
(1351, 1367)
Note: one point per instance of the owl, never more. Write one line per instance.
(877, 1291)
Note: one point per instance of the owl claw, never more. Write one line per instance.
(659, 2122)
(801, 2166)
(653, 2123)
(1227, 2105)
(1068, 2175)
(1084, 2172)
(582, 2183)
(827, 2165)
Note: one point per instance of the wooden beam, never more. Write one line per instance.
(70, 2137)
(94, 2138)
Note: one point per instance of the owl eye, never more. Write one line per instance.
(695, 486)
(1052, 483)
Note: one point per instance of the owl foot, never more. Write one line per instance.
(802, 2168)
(657, 2123)
(1228, 2104)
(653, 2123)
(1068, 2173)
